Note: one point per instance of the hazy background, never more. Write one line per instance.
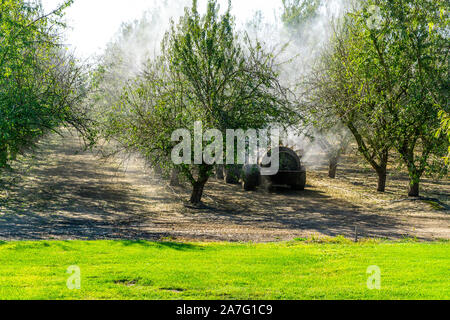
(94, 22)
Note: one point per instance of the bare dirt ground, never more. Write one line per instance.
(62, 193)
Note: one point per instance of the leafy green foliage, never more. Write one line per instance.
(445, 130)
(298, 12)
(39, 83)
(237, 85)
(410, 50)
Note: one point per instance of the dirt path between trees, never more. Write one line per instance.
(62, 193)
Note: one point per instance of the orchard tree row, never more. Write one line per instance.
(206, 71)
(41, 85)
(380, 82)
(384, 77)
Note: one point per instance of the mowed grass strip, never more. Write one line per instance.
(166, 270)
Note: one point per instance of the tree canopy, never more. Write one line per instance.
(207, 72)
(40, 83)
(386, 78)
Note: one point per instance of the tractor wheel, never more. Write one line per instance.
(251, 177)
(301, 182)
(266, 183)
(232, 174)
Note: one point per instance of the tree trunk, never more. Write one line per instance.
(174, 180)
(3, 157)
(415, 173)
(333, 168)
(220, 172)
(157, 170)
(382, 177)
(414, 190)
(197, 193)
(199, 185)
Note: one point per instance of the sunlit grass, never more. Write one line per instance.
(294, 270)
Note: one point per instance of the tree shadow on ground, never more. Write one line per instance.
(162, 245)
(310, 210)
(65, 193)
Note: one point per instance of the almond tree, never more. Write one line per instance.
(335, 92)
(207, 72)
(386, 78)
(409, 49)
(40, 86)
(325, 129)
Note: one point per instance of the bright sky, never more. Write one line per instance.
(94, 22)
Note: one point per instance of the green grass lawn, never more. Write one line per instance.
(294, 270)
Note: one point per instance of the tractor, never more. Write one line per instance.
(291, 172)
